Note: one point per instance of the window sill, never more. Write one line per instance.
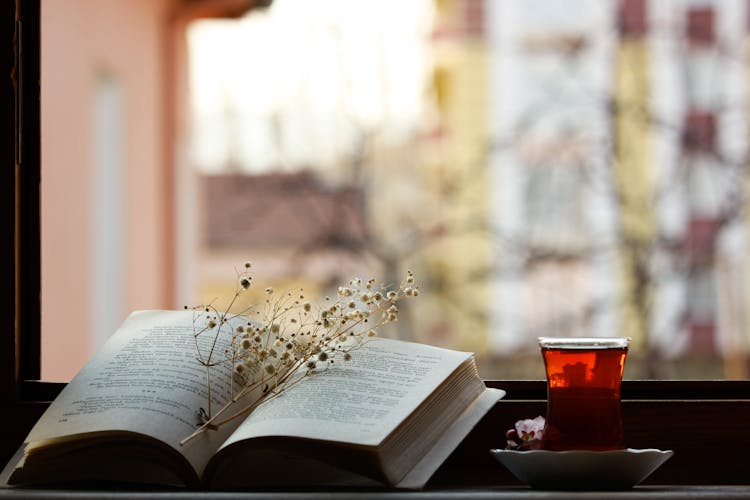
(703, 422)
(496, 492)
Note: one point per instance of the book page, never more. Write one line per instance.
(146, 379)
(358, 401)
(451, 438)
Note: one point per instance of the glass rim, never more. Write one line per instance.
(584, 342)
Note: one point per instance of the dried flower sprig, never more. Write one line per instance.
(275, 345)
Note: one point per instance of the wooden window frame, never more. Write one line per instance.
(705, 422)
(19, 220)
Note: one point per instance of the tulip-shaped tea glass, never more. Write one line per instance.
(583, 392)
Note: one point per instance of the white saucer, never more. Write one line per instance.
(580, 469)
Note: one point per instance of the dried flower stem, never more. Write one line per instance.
(287, 340)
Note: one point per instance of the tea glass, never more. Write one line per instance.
(584, 375)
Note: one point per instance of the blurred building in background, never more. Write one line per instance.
(620, 162)
(113, 119)
(104, 188)
(545, 168)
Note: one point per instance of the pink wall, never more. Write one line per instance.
(81, 38)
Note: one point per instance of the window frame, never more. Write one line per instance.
(19, 221)
(692, 417)
(20, 194)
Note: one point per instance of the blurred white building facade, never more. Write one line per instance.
(555, 108)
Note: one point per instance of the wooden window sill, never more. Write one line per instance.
(496, 492)
(704, 423)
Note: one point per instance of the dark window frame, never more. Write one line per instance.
(19, 220)
(20, 193)
(695, 418)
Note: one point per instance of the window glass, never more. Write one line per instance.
(545, 169)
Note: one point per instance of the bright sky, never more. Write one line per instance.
(291, 85)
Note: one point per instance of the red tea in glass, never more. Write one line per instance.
(583, 392)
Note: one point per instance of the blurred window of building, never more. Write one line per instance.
(108, 209)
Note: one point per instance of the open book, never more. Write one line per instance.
(390, 416)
